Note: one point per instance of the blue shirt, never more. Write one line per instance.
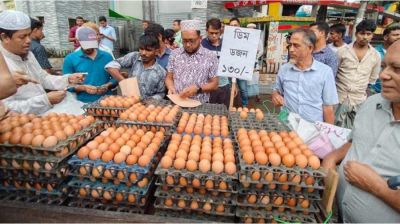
(377, 87)
(97, 75)
(40, 54)
(305, 92)
(328, 57)
(109, 31)
(163, 59)
(223, 81)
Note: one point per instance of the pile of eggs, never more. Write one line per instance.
(200, 154)
(277, 201)
(119, 101)
(275, 149)
(123, 145)
(199, 124)
(150, 113)
(45, 131)
(195, 205)
(244, 112)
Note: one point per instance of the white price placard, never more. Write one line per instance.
(238, 52)
(199, 4)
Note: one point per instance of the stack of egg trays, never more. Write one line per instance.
(252, 215)
(208, 108)
(103, 113)
(196, 216)
(45, 167)
(270, 122)
(94, 192)
(48, 199)
(100, 205)
(232, 188)
(78, 165)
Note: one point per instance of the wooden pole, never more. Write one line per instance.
(232, 93)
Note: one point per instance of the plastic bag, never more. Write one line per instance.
(70, 105)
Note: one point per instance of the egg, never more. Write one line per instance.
(265, 200)
(196, 183)
(95, 154)
(288, 160)
(207, 206)
(252, 199)
(278, 201)
(27, 139)
(309, 180)
(191, 165)
(283, 178)
(204, 165)
(259, 116)
(166, 162)
(217, 167)
(194, 205)
(179, 163)
(144, 160)
(243, 115)
(15, 138)
(261, 158)
(230, 168)
(305, 204)
(301, 161)
(248, 157)
(107, 156)
(69, 130)
(220, 208)
(274, 159)
(83, 152)
(314, 162)
(209, 184)
(256, 176)
(92, 145)
(50, 141)
(126, 149)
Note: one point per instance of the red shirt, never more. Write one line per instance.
(72, 33)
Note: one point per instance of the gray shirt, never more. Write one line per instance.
(151, 80)
(375, 142)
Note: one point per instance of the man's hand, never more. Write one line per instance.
(277, 99)
(56, 96)
(76, 78)
(329, 163)
(172, 91)
(363, 177)
(104, 88)
(189, 91)
(91, 89)
(21, 78)
(125, 74)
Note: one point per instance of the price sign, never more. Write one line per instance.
(238, 52)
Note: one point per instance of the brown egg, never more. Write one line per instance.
(261, 158)
(144, 160)
(301, 161)
(283, 178)
(314, 162)
(243, 115)
(179, 163)
(166, 162)
(95, 154)
(305, 204)
(83, 152)
(248, 157)
(27, 139)
(278, 201)
(252, 199)
(274, 159)
(69, 130)
(259, 116)
(196, 183)
(107, 156)
(92, 145)
(194, 205)
(209, 184)
(230, 168)
(217, 167)
(204, 165)
(288, 160)
(168, 202)
(256, 175)
(61, 136)
(131, 159)
(207, 206)
(191, 165)
(15, 138)
(50, 141)
(220, 208)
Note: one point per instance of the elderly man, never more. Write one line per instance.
(359, 65)
(372, 155)
(305, 86)
(192, 70)
(15, 28)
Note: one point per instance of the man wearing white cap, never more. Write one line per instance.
(192, 70)
(15, 28)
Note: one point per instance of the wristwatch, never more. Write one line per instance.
(199, 89)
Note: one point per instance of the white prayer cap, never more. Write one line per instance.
(251, 25)
(190, 25)
(14, 20)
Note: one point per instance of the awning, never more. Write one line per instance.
(114, 14)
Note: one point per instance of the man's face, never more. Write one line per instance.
(392, 37)
(176, 27)
(234, 23)
(79, 22)
(334, 36)
(390, 75)
(191, 41)
(148, 54)
(19, 42)
(38, 33)
(88, 51)
(320, 35)
(364, 37)
(145, 25)
(103, 23)
(298, 50)
(213, 34)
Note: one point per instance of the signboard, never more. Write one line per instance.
(199, 4)
(238, 52)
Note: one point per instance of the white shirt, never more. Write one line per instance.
(334, 48)
(31, 98)
(110, 32)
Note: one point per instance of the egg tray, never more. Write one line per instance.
(208, 108)
(195, 196)
(270, 122)
(95, 108)
(228, 211)
(231, 184)
(54, 154)
(59, 190)
(52, 179)
(255, 189)
(273, 216)
(242, 202)
(61, 171)
(199, 191)
(99, 186)
(39, 199)
(193, 215)
(232, 188)
(99, 205)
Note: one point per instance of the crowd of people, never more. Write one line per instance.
(323, 81)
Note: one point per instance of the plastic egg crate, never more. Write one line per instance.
(31, 177)
(91, 204)
(62, 172)
(154, 123)
(6, 197)
(175, 180)
(268, 188)
(231, 189)
(202, 134)
(220, 198)
(251, 215)
(34, 187)
(193, 215)
(182, 205)
(96, 109)
(110, 192)
(208, 108)
(270, 122)
(286, 202)
(56, 153)
(29, 163)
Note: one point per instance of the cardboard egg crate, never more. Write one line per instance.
(228, 210)
(101, 205)
(53, 154)
(242, 201)
(193, 215)
(122, 194)
(196, 196)
(32, 198)
(208, 108)
(249, 215)
(232, 188)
